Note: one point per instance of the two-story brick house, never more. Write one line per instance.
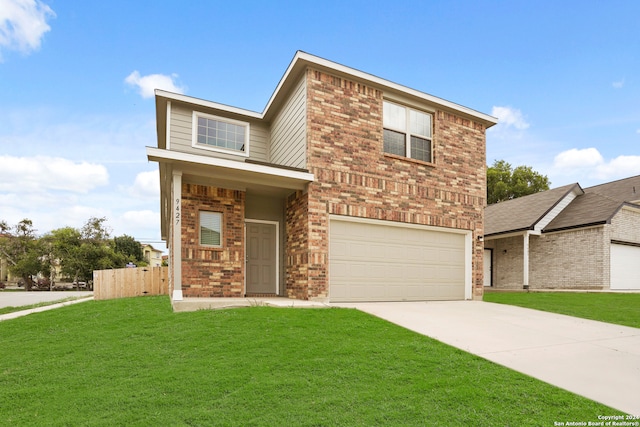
(347, 187)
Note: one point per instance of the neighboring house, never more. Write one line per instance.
(566, 238)
(151, 255)
(347, 187)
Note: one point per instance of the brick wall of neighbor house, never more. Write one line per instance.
(355, 178)
(577, 259)
(507, 262)
(208, 271)
(624, 226)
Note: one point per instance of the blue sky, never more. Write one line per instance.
(75, 116)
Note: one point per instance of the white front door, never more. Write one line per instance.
(488, 267)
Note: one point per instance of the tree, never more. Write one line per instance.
(23, 251)
(506, 183)
(79, 252)
(130, 248)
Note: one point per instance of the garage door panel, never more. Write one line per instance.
(625, 260)
(378, 262)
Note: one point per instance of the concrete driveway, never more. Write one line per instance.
(597, 360)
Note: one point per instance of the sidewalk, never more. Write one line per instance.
(20, 299)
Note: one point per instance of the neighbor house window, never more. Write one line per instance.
(407, 132)
(221, 134)
(210, 228)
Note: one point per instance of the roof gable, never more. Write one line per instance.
(588, 209)
(524, 213)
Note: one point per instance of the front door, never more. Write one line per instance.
(262, 241)
(488, 267)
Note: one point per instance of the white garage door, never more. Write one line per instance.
(624, 267)
(381, 261)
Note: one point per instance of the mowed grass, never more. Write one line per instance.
(134, 362)
(618, 308)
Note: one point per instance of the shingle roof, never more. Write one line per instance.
(596, 205)
(584, 210)
(622, 190)
(524, 212)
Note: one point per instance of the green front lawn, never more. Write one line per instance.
(622, 309)
(135, 362)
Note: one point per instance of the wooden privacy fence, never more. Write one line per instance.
(130, 282)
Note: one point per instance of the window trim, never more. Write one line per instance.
(407, 133)
(200, 212)
(194, 134)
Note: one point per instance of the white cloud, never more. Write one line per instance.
(23, 23)
(618, 84)
(574, 159)
(146, 184)
(619, 167)
(41, 173)
(147, 84)
(590, 164)
(509, 118)
(142, 224)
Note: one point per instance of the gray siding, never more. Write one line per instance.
(288, 130)
(181, 129)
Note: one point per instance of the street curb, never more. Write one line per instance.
(17, 314)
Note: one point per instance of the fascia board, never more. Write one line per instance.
(303, 59)
(159, 155)
(207, 104)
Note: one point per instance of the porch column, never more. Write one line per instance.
(525, 261)
(176, 234)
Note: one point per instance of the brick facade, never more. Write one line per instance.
(209, 271)
(354, 177)
(572, 259)
(624, 226)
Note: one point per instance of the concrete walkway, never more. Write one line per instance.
(19, 299)
(600, 361)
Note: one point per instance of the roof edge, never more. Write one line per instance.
(552, 207)
(302, 59)
(171, 96)
(573, 227)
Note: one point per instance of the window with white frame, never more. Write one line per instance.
(407, 132)
(221, 134)
(210, 228)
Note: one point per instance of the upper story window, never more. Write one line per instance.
(221, 134)
(407, 132)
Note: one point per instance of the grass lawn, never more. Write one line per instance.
(135, 362)
(622, 309)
